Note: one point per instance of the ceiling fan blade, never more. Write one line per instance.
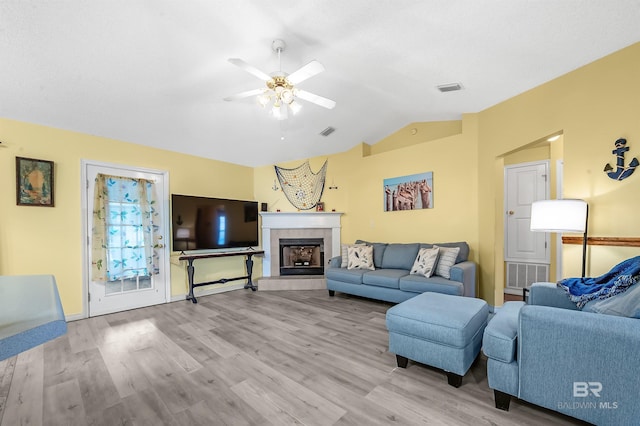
(243, 95)
(307, 71)
(250, 69)
(318, 100)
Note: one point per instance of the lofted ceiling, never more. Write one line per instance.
(155, 72)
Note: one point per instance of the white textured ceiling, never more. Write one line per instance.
(154, 72)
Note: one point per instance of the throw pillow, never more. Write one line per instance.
(447, 258)
(626, 304)
(345, 256)
(360, 257)
(425, 262)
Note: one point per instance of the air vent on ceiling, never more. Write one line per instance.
(450, 87)
(326, 132)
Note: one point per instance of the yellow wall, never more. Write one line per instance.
(39, 240)
(359, 174)
(416, 133)
(592, 107)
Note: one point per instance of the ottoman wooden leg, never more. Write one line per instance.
(402, 361)
(332, 293)
(454, 379)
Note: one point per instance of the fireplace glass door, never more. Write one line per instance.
(301, 256)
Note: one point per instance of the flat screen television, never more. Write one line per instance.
(205, 223)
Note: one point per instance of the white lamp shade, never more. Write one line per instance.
(559, 216)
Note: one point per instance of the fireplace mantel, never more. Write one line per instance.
(297, 221)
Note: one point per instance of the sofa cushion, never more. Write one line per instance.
(462, 255)
(350, 276)
(501, 335)
(625, 304)
(344, 251)
(389, 278)
(420, 284)
(360, 257)
(446, 260)
(425, 262)
(400, 256)
(378, 251)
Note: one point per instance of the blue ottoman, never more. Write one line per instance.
(439, 330)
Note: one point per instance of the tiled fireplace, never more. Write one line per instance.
(307, 239)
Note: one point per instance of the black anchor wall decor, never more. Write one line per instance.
(621, 171)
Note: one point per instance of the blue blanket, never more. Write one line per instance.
(617, 280)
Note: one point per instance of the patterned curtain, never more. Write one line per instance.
(123, 228)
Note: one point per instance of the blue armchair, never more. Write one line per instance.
(551, 354)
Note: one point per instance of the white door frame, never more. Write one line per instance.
(559, 192)
(164, 257)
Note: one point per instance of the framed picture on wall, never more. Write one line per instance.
(34, 182)
(320, 207)
(408, 192)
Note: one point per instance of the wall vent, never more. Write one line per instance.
(326, 132)
(521, 275)
(450, 87)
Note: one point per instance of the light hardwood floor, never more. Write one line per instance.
(243, 358)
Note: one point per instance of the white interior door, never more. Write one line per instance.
(125, 294)
(524, 184)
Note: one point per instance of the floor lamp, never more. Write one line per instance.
(565, 215)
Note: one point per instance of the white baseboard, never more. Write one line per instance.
(75, 317)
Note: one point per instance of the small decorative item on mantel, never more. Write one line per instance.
(320, 207)
(34, 182)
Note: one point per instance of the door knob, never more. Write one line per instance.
(511, 212)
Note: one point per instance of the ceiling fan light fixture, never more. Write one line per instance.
(280, 111)
(287, 96)
(275, 111)
(295, 107)
(264, 99)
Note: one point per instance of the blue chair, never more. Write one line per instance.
(30, 313)
(550, 353)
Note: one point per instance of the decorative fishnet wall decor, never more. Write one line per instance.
(301, 186)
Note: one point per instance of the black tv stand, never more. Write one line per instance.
(249, 253)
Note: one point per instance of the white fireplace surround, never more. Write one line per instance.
(278, 225)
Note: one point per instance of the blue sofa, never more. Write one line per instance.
(550, 353)
(391, 280)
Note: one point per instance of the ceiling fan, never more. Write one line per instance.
(281, 92)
